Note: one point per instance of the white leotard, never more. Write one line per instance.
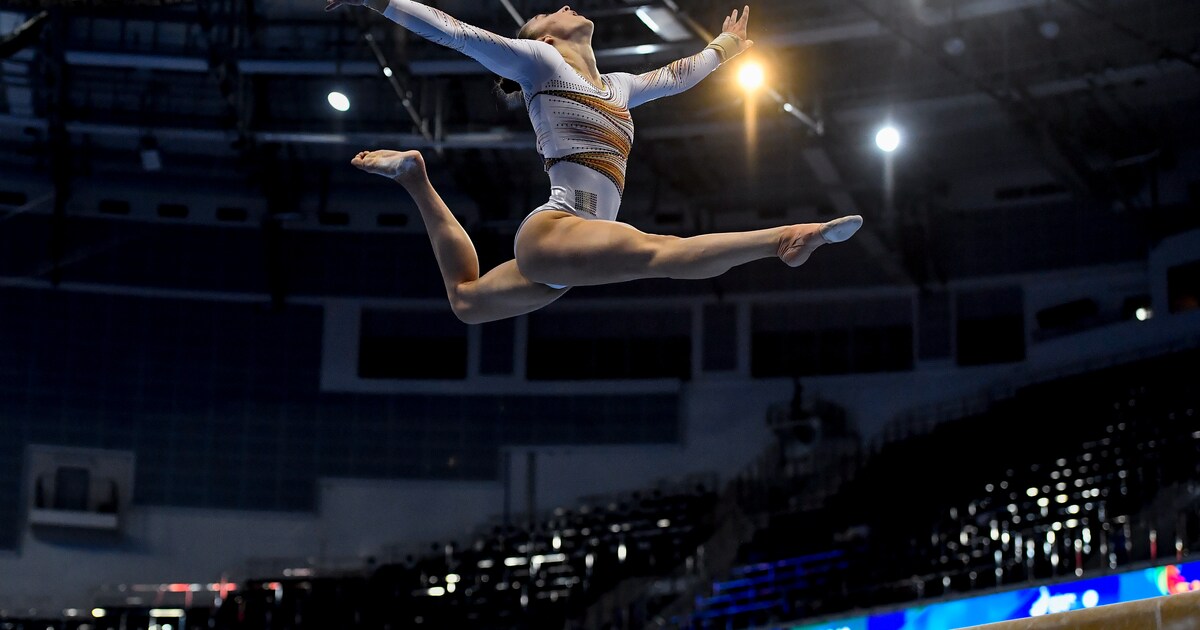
(584, 133)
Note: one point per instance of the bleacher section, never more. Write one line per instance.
(509, 577)
(766, 587)
(1080, 475)
(1070, 478)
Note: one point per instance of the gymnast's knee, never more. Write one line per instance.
(464, 305)
(662, 252)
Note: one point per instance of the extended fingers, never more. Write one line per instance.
(737, 21)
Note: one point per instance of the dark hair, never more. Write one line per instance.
(508, 89)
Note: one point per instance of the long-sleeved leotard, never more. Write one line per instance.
(584, 133)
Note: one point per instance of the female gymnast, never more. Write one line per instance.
(584, 133)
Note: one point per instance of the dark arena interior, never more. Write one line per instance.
(237, 391)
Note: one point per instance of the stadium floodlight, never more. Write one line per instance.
(339, 101)
(888, 139)
(751, 75)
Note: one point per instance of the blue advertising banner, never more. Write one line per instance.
(1030, 602)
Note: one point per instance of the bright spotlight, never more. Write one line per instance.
(664, 23)
(751, 76)
(1143, 314)
(644, 14)
(339, 101)
(888, 139)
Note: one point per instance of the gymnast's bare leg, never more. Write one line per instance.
(502, 292)
(561, 248)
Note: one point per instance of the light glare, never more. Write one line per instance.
(644, 15)
(751, 76)
(339, 101)
(888, 139)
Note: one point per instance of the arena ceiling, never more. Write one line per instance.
(1053, 99)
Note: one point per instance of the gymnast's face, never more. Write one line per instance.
(564, 23)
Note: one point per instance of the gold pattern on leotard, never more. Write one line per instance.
(465, 34)
(607, 164)
(673, 74)
(614, 130)
(611, 130)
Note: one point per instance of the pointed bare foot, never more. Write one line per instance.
(403, 166)
(800, 241)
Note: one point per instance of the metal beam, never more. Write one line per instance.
(59, 140)
(808, 35)
(393, 78)
(521, 140)
(485, 140)
(321, 67)
(512, 12)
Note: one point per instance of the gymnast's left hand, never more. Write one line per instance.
(737, 25)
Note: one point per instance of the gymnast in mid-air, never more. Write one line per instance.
(585, 134)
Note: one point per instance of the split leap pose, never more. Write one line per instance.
(584, 133)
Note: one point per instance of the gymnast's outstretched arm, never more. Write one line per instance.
(684, 74)
(522, 60)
